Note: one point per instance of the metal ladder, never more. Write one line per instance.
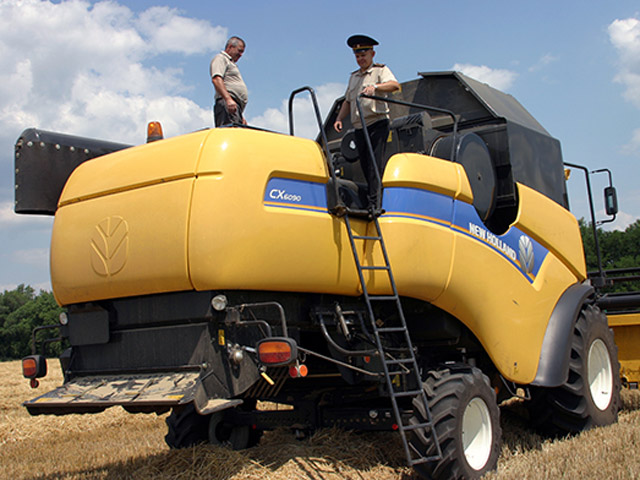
(402, 367)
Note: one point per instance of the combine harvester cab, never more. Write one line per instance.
(207, 272)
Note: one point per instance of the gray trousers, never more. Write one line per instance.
(222, 116)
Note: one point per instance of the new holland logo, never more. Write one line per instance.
(110, 246)
(525, 254)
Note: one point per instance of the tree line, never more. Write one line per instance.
(618, 250)
(21, 309)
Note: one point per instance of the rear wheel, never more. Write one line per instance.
(591, 395)
(221, 432)
(467, 422)
(186, 427)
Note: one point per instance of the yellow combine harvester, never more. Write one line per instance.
(206, 272)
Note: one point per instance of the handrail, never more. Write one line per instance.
(407, 104)
(599, 280)
(339, 208)
(316, 110)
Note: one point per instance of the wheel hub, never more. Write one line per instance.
(600, 374)
(477, 433)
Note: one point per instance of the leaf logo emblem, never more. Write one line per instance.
(110, 246)
(526, 254)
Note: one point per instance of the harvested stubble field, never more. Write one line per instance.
(115, 445)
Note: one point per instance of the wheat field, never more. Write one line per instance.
(118, 445)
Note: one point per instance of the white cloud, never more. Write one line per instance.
(305, 124)
(625, 37)
(9, 218)
(543, 62)
(622, 221)
(497, 78)
(80, 68)
(633, 147)
(169, 32)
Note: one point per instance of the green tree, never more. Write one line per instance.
(21, 310)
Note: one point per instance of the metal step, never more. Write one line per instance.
(390, 329)
(382, 298)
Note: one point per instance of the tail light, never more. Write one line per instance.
(276, 351)
(34, 366)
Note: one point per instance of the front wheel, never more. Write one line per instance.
(467, 423)
(591, 395)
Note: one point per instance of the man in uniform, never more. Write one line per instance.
(370, 79)
(231, 93)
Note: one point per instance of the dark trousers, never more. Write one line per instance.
(373, 168)
(222, 116)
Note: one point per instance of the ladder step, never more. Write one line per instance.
(399, 361)
(391, 329)
(382, 298)
(408, 393)
(374, 267)
(417, 426)
(419, 460)
(399, 372)
(366, 237)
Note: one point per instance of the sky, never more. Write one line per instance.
(103, 69)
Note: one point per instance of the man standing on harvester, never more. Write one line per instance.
(370, 79)
(231, 94)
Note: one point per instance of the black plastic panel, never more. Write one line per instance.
(43, 162)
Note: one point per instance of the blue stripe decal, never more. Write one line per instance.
(296, 194)
(523, 252)
(420, 204)
(520, 250)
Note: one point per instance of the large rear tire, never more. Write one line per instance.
(467, 422)
(591, 395)
(186, 427)
(237, 437)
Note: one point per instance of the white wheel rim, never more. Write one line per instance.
(600, 374)
(477, 433)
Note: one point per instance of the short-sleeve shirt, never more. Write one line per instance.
(373, 110)
(223, 66)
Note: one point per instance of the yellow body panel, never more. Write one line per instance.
(238, 241)
(421, 246)
(240, 209)
(421, 171)
(135, 167)
(626, 331)
(541, 218)
(129, 243)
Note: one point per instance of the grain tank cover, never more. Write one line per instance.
(534, 155)
(474, 100)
